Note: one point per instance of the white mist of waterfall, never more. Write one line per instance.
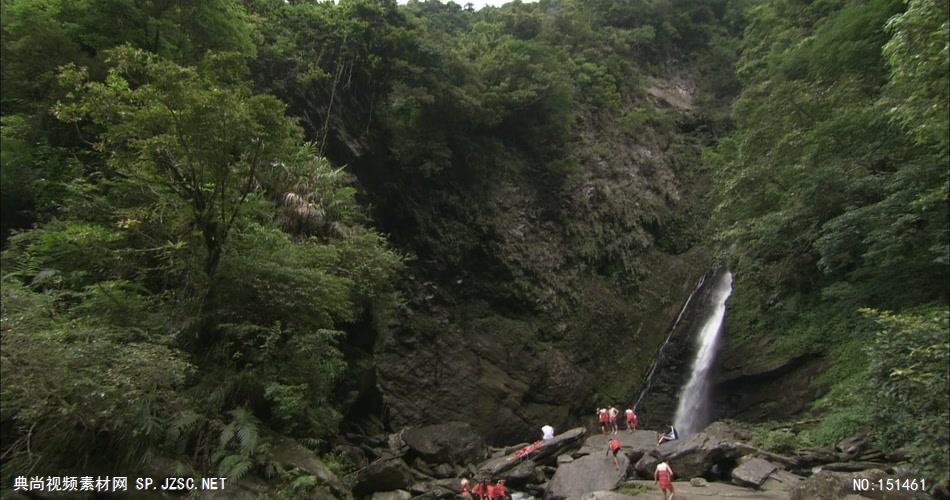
(692, 412)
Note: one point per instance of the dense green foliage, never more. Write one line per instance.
(193, 260)
(182, 265)
(833, 196)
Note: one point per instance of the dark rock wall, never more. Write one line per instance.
(507, 379)
(542, 304)
(748, 393)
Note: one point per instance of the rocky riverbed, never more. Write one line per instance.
(429, 462)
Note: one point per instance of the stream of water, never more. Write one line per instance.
(692, 412)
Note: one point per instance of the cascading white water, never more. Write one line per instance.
(692, 412)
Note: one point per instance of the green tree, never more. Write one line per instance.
(919, 57)
(207, 141)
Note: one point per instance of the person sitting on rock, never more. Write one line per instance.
(671, 435)
(613, 446)
(631, 420)
(547, 433)
(663, 475)
(602, 418)
(612, 417)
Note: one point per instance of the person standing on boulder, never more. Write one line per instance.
(613, 446)
(663, 475)
(612, 414)
(547, 433)
(631, 420)
(602, 418)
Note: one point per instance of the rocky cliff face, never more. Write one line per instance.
(507, 378)
(746, 389)
(561, 303)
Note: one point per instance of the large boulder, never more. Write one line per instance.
(697, 454)
(547, 449)
(727, 432)
(451, 442)
(753, 472)
(444, 488)
(586, 475)
(383, 475)
(646, 465)
(519, 475)
(443, 471)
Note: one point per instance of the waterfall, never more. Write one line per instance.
(692, 412)
(648, 381)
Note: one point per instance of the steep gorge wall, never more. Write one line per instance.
(541, 324)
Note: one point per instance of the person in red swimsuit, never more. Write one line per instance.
(663, 475)
(602, 418)
(631, 420)
(481, 490)
(613, 446)
(497, 491)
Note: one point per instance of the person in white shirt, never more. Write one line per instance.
(612, 415)
(547, 432)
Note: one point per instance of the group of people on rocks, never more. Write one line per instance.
(607, 417)
(608, 420)
(484, 490)
(663, 475)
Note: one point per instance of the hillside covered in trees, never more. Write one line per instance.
(231, 223)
